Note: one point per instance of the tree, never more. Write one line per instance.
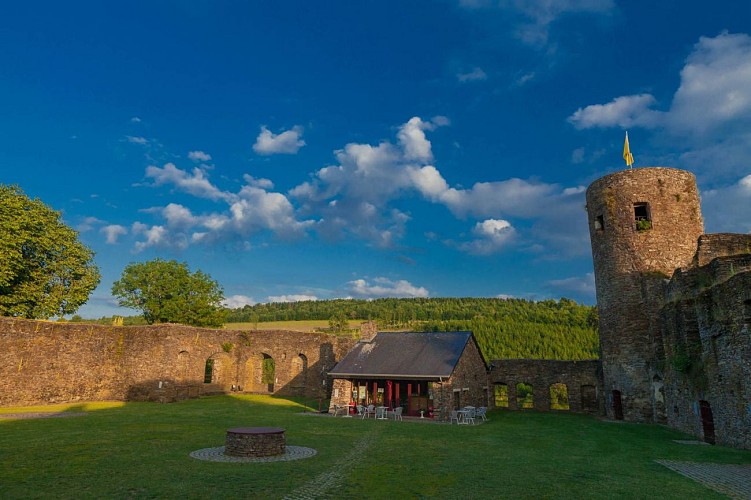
(338, 321)
(45, 270)
(167, 292)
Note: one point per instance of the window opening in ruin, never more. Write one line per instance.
(208, 371)
(524, 396)
(642, 217)
(559, 397)
(747, 311)
(299, 365)
(500, 394)
(599, 223)
(268, 372)
(589, 398)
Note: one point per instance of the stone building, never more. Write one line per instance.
(426, 373)
(673, 306)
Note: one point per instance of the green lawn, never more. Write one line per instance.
(140, 450)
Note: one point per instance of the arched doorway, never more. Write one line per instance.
(268, 372)
(617, 405)
(707, 421)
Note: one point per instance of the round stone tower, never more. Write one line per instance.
(644, 223)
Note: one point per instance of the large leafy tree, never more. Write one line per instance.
(45, 270)
(168, 292)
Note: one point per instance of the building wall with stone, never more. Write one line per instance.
(581, 378)
(706, 322)
(631, 262)
(46, 362)
(467, 385)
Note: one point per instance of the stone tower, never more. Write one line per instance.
(644, 224)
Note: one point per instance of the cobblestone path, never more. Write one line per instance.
(729, 479)
(331, 479)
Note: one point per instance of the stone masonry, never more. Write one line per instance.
(45, 362)
(674, 304)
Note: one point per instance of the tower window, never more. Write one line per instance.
(599, 223)
(642, 217)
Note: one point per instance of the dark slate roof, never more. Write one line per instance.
(405, 355)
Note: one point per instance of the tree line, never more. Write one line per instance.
(504, 328)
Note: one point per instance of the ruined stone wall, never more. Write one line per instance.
(45, 362)
(706, 324)
(631, 264)
(711, 246)
(582, 380)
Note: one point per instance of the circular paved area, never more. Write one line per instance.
(217, 455)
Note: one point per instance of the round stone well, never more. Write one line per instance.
(254, 442)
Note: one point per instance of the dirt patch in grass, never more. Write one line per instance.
(15, 416)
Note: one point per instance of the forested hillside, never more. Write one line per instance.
(504, 328)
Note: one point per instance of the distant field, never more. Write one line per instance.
(295, 326)
(302, 326)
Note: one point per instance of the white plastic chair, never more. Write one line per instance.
(454, 416)
(481, 411)
(368, 411)
(469, 416)
(397, 413)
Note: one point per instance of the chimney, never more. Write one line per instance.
(368, 331)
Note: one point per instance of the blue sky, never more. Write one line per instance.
(299, 150)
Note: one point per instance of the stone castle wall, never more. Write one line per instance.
(45, 362)
(706, 323)
(674, 305)
(631, 263)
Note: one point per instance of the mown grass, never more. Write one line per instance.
(140, 450)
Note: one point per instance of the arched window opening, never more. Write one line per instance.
(183, 365)
(524, 396)
(208, 372)
(299, 365)
(500, 393)
(268, 372)
(559, 397)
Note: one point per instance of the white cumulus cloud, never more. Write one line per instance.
(287, 142)
(199, 156)
(238, 301)
(291, 298)
(491, 236)
(384, 287)
(714, 94)
(112, 232)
